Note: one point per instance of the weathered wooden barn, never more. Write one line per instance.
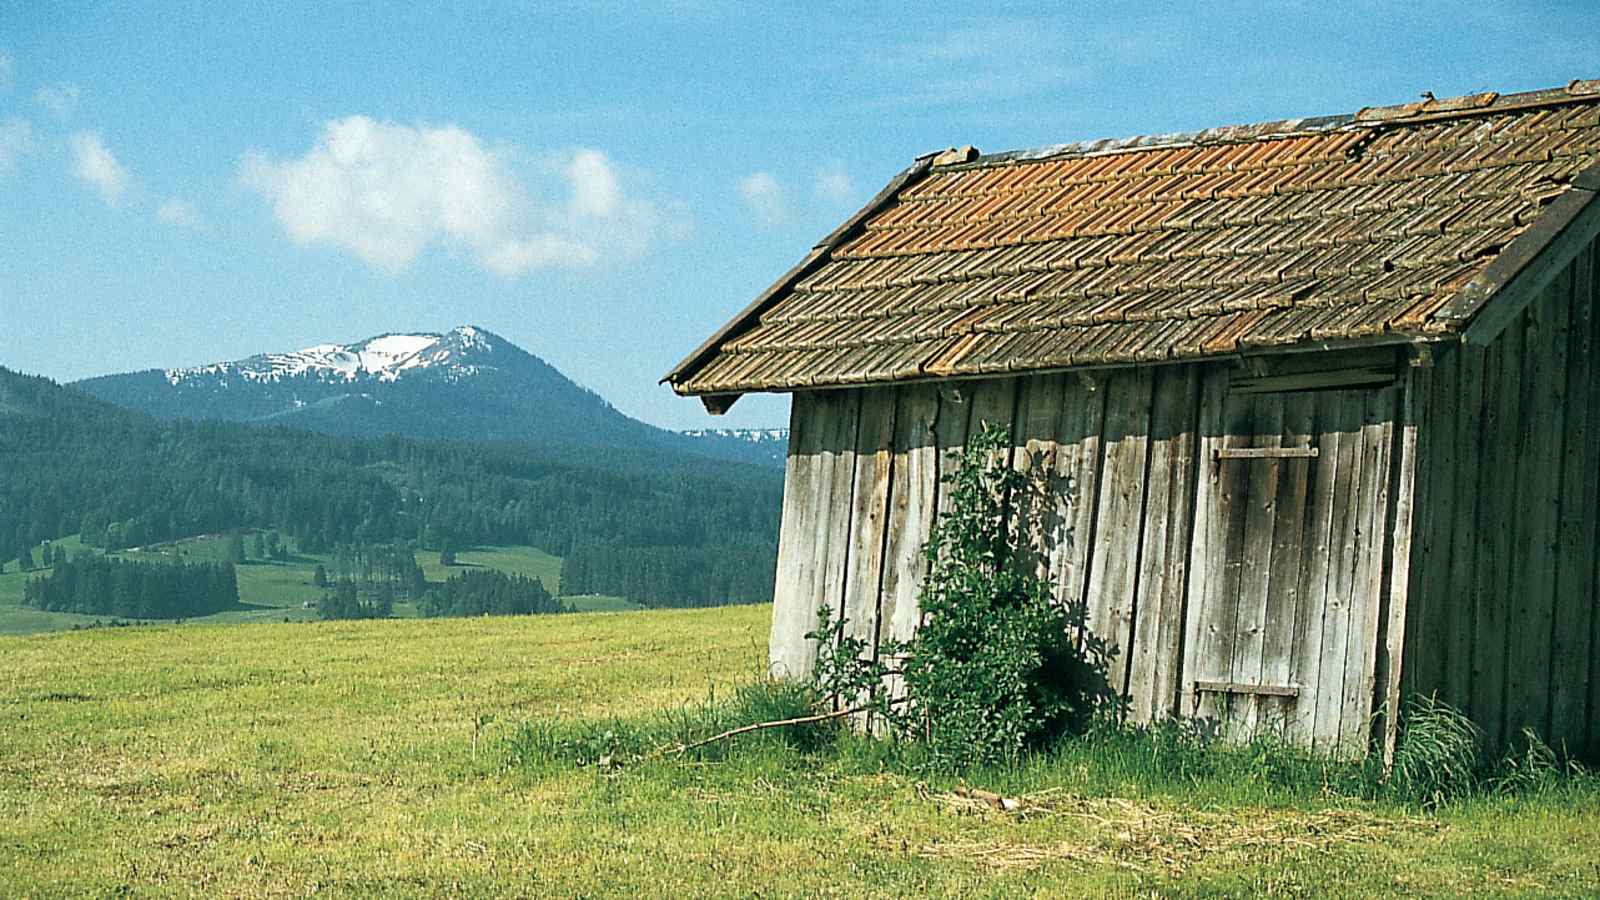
(1314, 405)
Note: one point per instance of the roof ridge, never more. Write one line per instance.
(1429, 109)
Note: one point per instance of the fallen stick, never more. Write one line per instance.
(776, 723)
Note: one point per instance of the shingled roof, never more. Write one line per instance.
(1392, 224)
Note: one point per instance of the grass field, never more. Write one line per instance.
(277, 590)
(391, 757)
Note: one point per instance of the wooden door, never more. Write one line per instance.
(1288, 563)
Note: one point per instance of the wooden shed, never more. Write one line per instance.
(1313, 406)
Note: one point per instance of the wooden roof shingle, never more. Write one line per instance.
(1396, 223)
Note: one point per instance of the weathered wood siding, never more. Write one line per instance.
(1265, 577)
(1502, 620)
(1289, 556)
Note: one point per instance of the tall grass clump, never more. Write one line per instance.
(1436, 754)
(1439, 758)
(1528, 766)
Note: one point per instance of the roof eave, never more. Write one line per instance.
(1389, 339)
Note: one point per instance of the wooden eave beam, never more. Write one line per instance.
(1090, 372)
(1497, 295)
(717, 404)
(748, 315)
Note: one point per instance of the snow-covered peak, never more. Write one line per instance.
(752, 435)
(385, 358)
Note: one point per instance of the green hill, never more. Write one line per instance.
(70, 464)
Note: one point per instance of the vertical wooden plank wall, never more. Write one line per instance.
(1216, 550)
(1131, 524)
(1319, 557)
(1401, 537)
(868, 514)
(1154, 669)
(789, 654)
(1326, 689)
(913, 489)
(813, 548)
(1360, 681)
(1110, 524)
(1502, 618)
(1119, 520)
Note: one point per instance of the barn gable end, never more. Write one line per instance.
(1502, 618)
(1309, 407)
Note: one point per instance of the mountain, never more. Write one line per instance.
(466, 384)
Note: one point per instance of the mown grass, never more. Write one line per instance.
(465, 757)
(277, 590)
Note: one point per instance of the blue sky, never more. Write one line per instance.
(604, 184)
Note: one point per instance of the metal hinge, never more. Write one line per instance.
(1267, 453)
(1234, 687)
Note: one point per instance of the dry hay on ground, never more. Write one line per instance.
(1148, 836)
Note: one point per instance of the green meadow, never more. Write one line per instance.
(531, 756)
(278, 590)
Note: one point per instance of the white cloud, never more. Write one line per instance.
(179, 212)
(515, 256)
(385, 192)
(93, 162)
(595, 191)
(60, 99)
(16, 140)
(833, 185)
(765, 197)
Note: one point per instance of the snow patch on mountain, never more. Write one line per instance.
(384, 358)
(753, 435)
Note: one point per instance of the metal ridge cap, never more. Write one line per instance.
(1220, 135)
(1427, 110)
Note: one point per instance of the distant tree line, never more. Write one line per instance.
(121, 479)
(269, 545)
(109, 586)
(345, 600)
(672, 576)
(364, 581)
(486, 592)
(392, 567)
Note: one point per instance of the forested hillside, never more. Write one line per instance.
(72, 464)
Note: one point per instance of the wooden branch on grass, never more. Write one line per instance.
(777, 723)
